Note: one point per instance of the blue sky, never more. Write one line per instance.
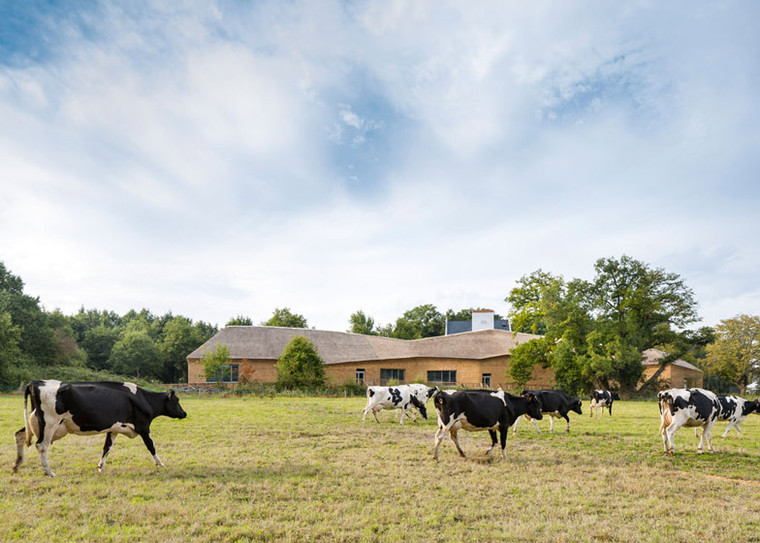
(227, 158)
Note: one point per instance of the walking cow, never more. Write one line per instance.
(475, 410)
(687, 407)
(91, 408)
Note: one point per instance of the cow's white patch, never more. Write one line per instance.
(132, 387)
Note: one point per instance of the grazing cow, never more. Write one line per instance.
(687, 407)
(602, 399)
(91, 408)
(481, 410)
(403, 397)
(734, 410)
(554, 403)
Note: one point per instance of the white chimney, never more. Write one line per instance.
(482, 319)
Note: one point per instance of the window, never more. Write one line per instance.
(226, 374)
(391, 375)
(487, 380)
(445, 376)
(359, 376)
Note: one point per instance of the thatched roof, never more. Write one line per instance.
(652, 357)
(268, 343)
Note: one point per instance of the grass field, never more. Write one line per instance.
(307, 469)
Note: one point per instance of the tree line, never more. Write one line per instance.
(592, 333)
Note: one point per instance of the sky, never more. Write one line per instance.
(223, 158)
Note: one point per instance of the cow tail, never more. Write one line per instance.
(27, 428)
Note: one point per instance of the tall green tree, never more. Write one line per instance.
(525, 357)
(98, 343)
(300, 366)
(179, 339)
(362, 324)
(37, 341)
(603, 325)
(286, 319)
(735, 355)
(135, 354)
(419, 322)
(10, 336)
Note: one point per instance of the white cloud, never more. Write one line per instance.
(223, 160)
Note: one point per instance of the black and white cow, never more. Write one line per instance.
(687, 407)
(91, 408)
(734, 410)
(556, 404)
(481, 410)
(602, 399)
(403, 397)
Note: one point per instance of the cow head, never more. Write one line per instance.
(420, 406)
(171, 406)
(575, 405)
(534, 406)
(753, 406)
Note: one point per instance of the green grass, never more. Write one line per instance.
(307, 469)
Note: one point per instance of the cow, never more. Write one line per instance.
(481, 410)
(403, 397)
(602, 399)
(554, 403)
(112, 408)
(687, 407)
(734, 410)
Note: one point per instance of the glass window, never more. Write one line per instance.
(226, 374)
(444, 376)
(391, 375)
(487, 380)
(359, 376)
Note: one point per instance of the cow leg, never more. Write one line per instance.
(455, 439)
(49, 431)
(110, 440)
(738, 430)
(374, 414)
(535, 425)
(708, 435)
(438, 438)
(700, 447)
(151, 447)
(568, 422)
(364, 414)
(20, 445)
(670, 432)
(514, 426)
(503, 434)
(728, 429)
(492, 433)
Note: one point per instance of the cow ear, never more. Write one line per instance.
(171, 394)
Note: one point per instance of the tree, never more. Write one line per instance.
(10, 336)
(735, 355)
(421, 321)
(179, 339)
(284, 318)
(300, 366)
(98, 343)
(604, 325)
(525, 357)
(527, 302)
(214, 360)
(240, 320)
(362, 324)
(135, 354)
(37, 340)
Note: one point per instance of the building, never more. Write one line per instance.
(482, 319)
(679, 374)
(469, 359)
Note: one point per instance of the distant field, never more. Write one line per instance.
(307, 469)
